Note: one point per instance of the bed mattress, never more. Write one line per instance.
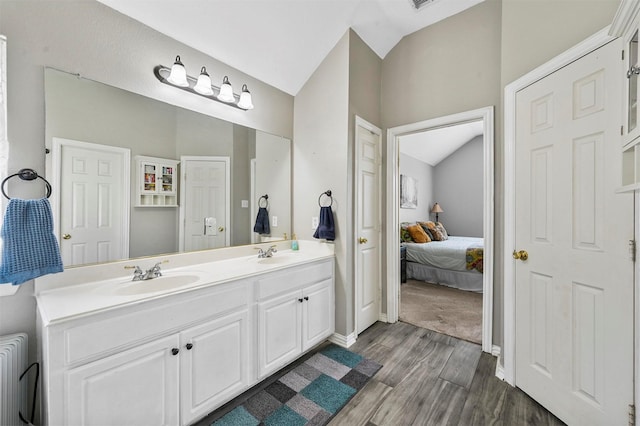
(450, 254)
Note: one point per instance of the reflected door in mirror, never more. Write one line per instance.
(205, 187)
(92, 201)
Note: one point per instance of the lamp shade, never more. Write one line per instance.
(203, 86)
(178, 75)
(245, 98)
(437, 209)
(226, 91)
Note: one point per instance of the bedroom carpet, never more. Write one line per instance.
(443, 309)
(309, 394)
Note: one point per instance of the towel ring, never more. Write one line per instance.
(265, 197)
(25, 174)
(328, 194)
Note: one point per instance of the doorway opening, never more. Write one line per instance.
(441, 205)
(394, 137)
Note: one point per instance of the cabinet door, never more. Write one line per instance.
(149, 178)
(135, 387)
(279, 332)
(317, 314)
(214, 364)
(631, 126)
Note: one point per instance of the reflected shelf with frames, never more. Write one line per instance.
(156, 183)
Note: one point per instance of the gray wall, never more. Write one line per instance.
(273, 177)
(89, 38)
(464, 62)
(457, 186)
(423, 174)
(449, 67)
(320, 162)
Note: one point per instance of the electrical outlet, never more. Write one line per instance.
(314, 222)
(245, 204)
(274, 221)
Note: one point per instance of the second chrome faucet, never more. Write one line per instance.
(267, 253)
(149, 274)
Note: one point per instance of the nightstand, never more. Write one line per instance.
(403, 265)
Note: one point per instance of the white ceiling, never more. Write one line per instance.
(282, 42)
(433, 146)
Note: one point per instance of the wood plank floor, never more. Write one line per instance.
(428, 378)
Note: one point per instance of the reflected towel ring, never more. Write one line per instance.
(25, 174)
(328, 194)
(265, 197)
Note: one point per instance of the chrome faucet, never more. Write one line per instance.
(153, 272)
(267, 253)
(137, 273)
(149, 274)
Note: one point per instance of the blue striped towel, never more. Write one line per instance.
(29, 248)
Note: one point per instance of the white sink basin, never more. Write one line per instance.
(166, 282)
(275, 259)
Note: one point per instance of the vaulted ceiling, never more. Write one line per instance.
(282, 42)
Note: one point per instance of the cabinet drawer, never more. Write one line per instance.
(280, 282)
(121, 328)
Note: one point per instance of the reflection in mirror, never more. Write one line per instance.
(193, 181)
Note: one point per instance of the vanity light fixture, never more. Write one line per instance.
(177, 76)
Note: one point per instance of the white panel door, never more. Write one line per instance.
(214, 364)
(94, 188)
(574, 293)
(136, 387)
(205, 203)
(368, 241)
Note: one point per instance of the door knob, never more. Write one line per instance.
(521, 255)
(66, 236)
(221, 229)
(362, 240)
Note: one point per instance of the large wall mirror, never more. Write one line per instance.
(107, 145)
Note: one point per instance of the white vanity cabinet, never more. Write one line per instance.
(171, 359)
(295, 313)
(163, 362)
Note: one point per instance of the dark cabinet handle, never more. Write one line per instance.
(300, 300)
(189, 346)
(175, 351)
(306, 298)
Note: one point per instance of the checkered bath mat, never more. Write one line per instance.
(309, 394)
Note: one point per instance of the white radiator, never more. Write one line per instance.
(13, 392)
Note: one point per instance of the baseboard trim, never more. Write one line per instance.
(495, 351)
(342, 340)
(383, 317)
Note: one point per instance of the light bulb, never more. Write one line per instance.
(245, 98)
(178, 76)
(226, 91)
(203, 86)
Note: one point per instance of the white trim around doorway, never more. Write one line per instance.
(393, 209)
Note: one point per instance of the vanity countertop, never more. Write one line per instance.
(76, 292)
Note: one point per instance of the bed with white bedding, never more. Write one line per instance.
(455, 262)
